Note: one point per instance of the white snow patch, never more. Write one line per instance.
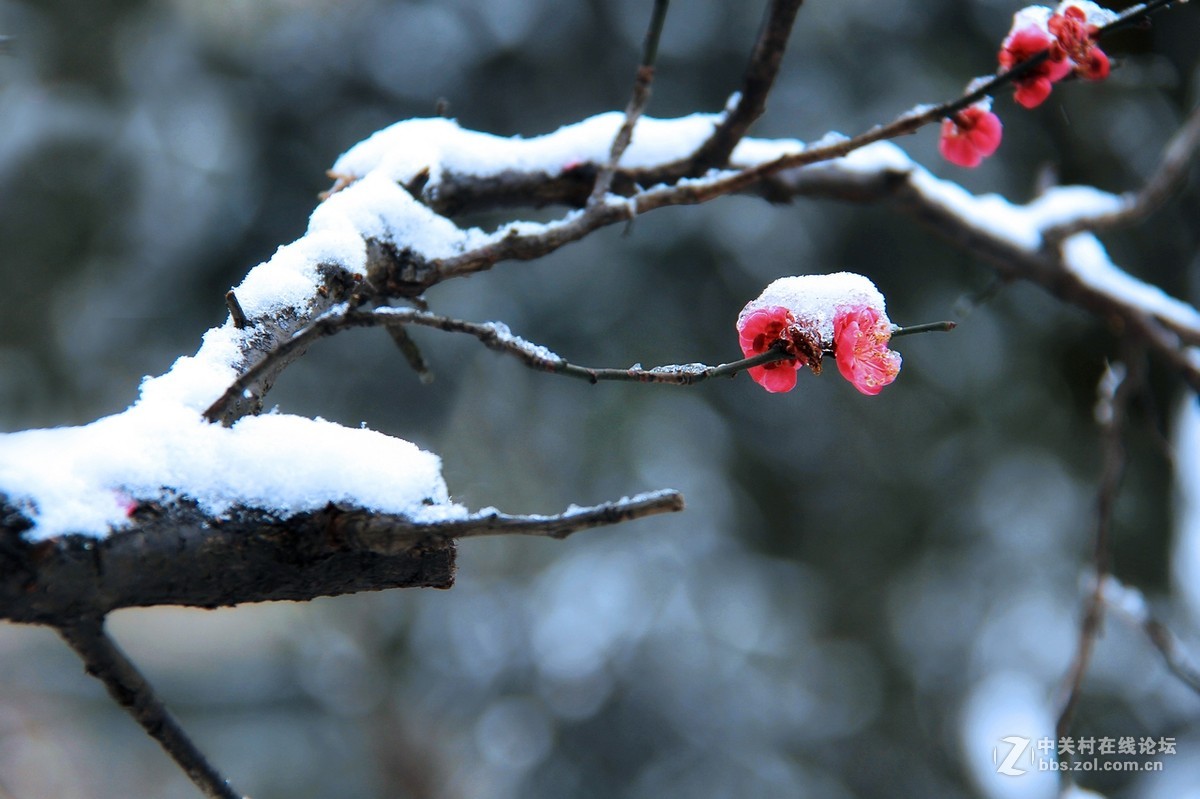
(377, 207)
(1096, 15)
(1029, 17)
(503, 334)
(401, 152)
(1086, 258)
(817, 299)
(1125, 599)
(990, 213)
(760, 151)
(1185, 557)
(82, 479)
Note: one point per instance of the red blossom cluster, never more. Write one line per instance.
(860, 347)
(1067, 35)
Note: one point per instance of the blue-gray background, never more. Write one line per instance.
(857, 581)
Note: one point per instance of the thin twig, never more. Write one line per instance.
(386, 535)
(927, 327)
(1129, 603)
(757, 81)
(1116, 388)
(496, 336)
(638, 101)
(107, 663)
(1171, 650)
(1168, 177)
(528, 246)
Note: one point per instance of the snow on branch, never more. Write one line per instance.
(359, 237)
(385, 233)
(177, 554)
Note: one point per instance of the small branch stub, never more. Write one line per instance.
(235, 311)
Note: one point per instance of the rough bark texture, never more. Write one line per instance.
(179, 558)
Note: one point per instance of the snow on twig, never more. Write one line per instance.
(638, 100)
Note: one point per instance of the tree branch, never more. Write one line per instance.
(176, 555)
(1130, 604)
(382, 536)
(1168, 177)
(107, 663)
(1172, 652)
(496, 336)
(1117, 386)
(757, 81)
(638, 101)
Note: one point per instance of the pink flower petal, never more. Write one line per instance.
(758, 331)
(1033, 87)
(972, 135)
(860, 346)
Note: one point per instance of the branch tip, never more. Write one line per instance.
(235, 310)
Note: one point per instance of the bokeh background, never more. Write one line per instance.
(864, 595)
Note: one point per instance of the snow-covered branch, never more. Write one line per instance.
(177, 553)
(751, 100)
(195, 496)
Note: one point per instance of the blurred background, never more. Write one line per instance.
(865, 594)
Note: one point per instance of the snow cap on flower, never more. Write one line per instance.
(809, 315)
(1093, 14)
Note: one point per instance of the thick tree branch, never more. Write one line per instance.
(107, 663)
(176, 555)
(458, 193)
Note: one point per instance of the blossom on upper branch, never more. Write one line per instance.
(970, 135)
(1074, 32)
(1068, 33)
(808, 316)
(1029, 36)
